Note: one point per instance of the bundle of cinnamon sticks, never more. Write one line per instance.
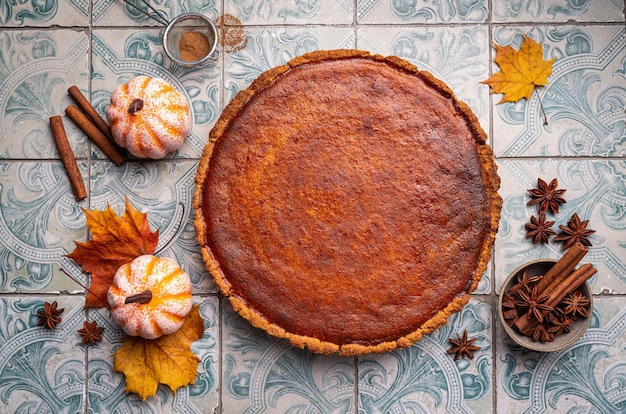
(558, 282)
(94, 126)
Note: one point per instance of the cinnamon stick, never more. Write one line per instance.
(95, 134)
(67, 157)
(562, 268)
(91, 112)
(569, 284)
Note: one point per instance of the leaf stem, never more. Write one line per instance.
(545, 118)
(85, 287)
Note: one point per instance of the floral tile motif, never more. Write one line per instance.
(595, 191)
(36, 69)
(558, 10)
(39, 220)
(119, 13)
(424, 378)
(457, 56)
(586, 377)
(277, 12)
(263, 374)
(583, 103)
(121, 54)
(422, 11)
(44, 13)
(165, 191)
(270, 47)
(105, 389)
(41, 370)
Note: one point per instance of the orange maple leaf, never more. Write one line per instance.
(168, 360)
(115, 241)
(520, 71)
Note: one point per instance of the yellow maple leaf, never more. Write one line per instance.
(168, 360)
(115, 241)
(520, 71)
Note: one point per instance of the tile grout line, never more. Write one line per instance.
(89, 162)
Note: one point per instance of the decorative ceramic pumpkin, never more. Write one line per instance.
(150, 297)
(149, 117)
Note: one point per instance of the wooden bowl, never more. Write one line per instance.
(565, 339)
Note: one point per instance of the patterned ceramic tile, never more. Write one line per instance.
(122, 54)
(558, 10)
(424, 378)
(262, 374)
(458, 56)
(39, 220)
(422, 11)
(44, 13)
(595, 191)
(120, 13)
(41, 370)
(584, 378)
(105, 389)
(584, 102)
(275, 12)
(270, 47)
(36, 68)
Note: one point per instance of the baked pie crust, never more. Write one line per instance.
(348, 202)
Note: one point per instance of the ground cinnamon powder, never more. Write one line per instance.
(193, 46)
(233, 37)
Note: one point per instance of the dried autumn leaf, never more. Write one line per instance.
(167, 360)
(115, 241)
(520, 71)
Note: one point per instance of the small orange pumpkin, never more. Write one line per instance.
(149, 117)
(150, 297)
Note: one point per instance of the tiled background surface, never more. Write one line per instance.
(48, 45)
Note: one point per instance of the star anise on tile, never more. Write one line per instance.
(575, 231)
(463, 346)
(50, 315)
(539, 229)
(576, 304)
(91, 332)
(547, 196)
(534, 303)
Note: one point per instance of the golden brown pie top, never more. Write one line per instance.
(347, 202)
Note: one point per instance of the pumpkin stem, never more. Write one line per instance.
(143, 298)
(135, 106)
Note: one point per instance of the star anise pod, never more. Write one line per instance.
(509, 310)
(576, 304)
(463, 347)
(541, 334)
(547, 196)
(91, 332)
(526, 282)
(575, 231)
(534, 303)
(539, 229)
(558, 323)
(50, 316)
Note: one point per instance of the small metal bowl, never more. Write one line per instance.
(565, 339)
(190, 22)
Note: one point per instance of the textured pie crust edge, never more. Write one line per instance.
(489, 176)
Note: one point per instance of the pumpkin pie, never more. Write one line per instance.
(347, 202)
